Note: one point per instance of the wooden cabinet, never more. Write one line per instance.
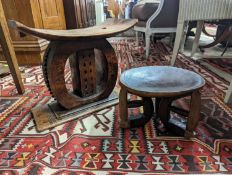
(47, 14)
(79, 13)
(52, 14)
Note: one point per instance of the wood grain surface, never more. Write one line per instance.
(160, 81)
(107, 29)
(9, 53)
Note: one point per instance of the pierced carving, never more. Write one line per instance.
(87, 86)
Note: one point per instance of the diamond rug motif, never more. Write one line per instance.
(95, 144)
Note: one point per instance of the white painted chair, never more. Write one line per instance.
(200, 10)
(163, 20)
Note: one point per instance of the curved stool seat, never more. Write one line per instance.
(109, 28)
(166, 84)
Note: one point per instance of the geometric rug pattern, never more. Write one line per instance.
(224, 64)
(95, 144)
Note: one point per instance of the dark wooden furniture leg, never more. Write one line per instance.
(226, 34)
(194, 114)
(9, 53)
(123, 108)
(164, 110)
(124, 105)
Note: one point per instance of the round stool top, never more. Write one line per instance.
(160, 81)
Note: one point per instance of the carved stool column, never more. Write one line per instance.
(83, 68)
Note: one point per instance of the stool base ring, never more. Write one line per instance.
(144, 117)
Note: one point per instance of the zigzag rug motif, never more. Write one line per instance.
(96, 145)
(224, 64)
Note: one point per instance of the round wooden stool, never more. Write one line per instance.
(166, 84)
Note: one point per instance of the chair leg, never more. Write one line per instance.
(197, 37)
(147, 38)
(9, 52)
(137, 37)
(184, 36)
(179, 34)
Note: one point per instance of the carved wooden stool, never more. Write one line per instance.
(94, 69)
(166, 84)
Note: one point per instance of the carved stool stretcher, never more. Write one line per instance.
(94, 68)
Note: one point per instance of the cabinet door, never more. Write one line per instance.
(52, 13)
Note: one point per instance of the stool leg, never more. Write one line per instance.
(194, 114)
(148, 107)
(123, 108)
(142, 119)
(157, 102)
(164, 110)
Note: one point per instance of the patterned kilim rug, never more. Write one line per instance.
(224, 64)
(95, 144)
